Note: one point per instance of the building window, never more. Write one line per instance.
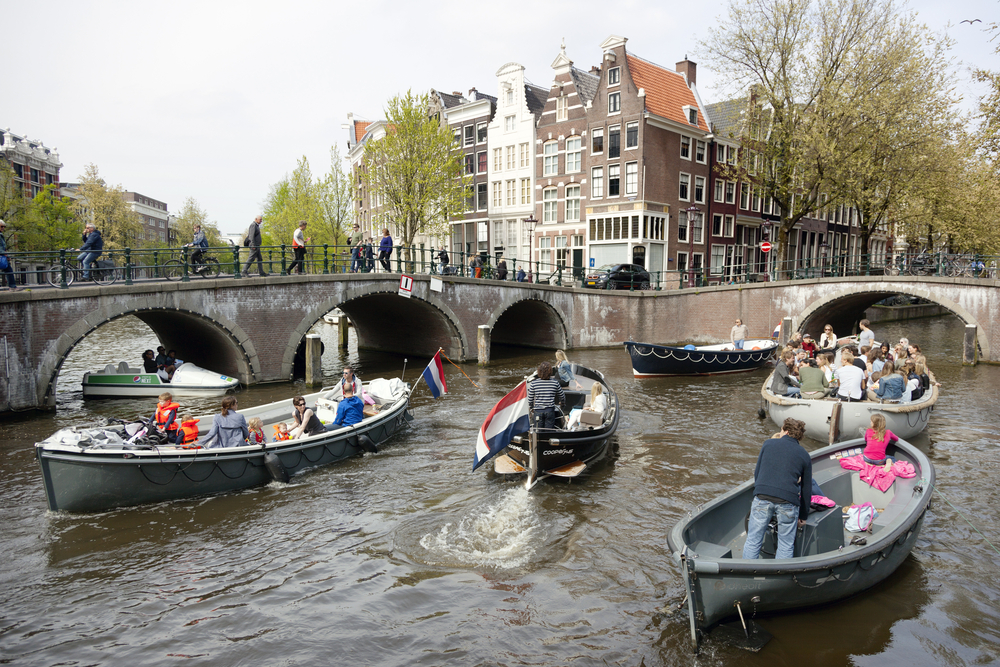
(614, 76)
(509, 124)
(470, 163)
(562, 104)
(510, 157)
(716, 224)
(614, 179)
(631, 178)
(549, 205)
(458, 137)
(700, 151)
(497, 195)
(720, 153)
(730, 192)
(718, 259)
(754, 200)
(470, 135)
(497, 159)
(744, 196)
(481, 133)
(614, 141)
(545, 250)
(683, 194)
(728, 229)
(511, 193)
(731, 152)
(699, 189)
(482, 197)
(550, 159)
(682, 226)
(573, 155)
(562, 252)
(512, 233)
(525, 156)
(614, 103)
(573, 203)
(693, 116)
(470, 198)
(720, 188)
(597, 140)
(685, 147)
(509, 97)
(483, 162)
(597, 183)
(525, 191)
(631, 134)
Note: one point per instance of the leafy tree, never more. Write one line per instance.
(106, 207)
(415, 172)
(335, 202)
(12, 201)
(192, 214)
(49, 223)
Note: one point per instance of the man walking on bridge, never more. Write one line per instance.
(253, 241)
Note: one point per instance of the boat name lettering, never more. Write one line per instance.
(520, 449)
(553, 452)
(744, 586)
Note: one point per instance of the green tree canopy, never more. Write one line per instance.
(49, 223)
(107, 209)
(192, 214)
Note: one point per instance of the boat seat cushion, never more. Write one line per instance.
(123, 368)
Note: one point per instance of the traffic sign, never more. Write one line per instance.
(765, 246)
(405, 286)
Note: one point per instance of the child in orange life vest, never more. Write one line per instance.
(189, 429)
(165, 417)
(281, 432)
(257, 436)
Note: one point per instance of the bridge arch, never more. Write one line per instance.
(223, 345)
(517, 319)
(821, 310)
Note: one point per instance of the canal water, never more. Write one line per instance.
(406, 557)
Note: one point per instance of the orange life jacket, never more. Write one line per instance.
(163, 414)
(278, 435)
(190, 429)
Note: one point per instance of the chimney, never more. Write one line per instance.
(595, 70)
(473, 94)
(689, 70)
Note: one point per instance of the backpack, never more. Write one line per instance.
(246, 240)
(860, 517)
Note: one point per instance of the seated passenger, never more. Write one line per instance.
(306, 421)
(814, 383)
(189, 429)
(148, 363)
(889, 386)
(351, 410)
(229, 428)
(808, 345)
(913, 383)
(598, 404)
(824, 360)
(828, 339)
(172, 359)
(164, 420)
(850, 377)
(783, 383)
(256, 436)
(281, 432)
(161, 356)
(166, 373)
(877, 438)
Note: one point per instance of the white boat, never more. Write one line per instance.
(333, 317)
(830, 420)
(122, 381)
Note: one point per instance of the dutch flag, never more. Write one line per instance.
(434, 376)
(508, 418)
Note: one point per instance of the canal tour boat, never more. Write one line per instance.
(523, 449)
(124, 382)
(96, 468)
(829, 420)
(829, 562)
(649, 360)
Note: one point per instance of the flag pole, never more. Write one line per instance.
(441, 350)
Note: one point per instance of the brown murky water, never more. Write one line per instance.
(408, 558)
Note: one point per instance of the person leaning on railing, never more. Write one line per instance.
(5, 264)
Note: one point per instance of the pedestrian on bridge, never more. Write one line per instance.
(253, 241)
(5, 262)
(502, 269)
(385, 250)
(299, 241)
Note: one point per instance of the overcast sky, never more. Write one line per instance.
(218, 100)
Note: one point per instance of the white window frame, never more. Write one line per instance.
(497, 194)
(597, 183)
(614, 76)
(572, 203)
(511, 157)
(525, 191)
(631, 178)
(574, 149)
(720, 190)
(700, 151)
(511, 188)
(597, 132)
(699, 189)
(628, 125)
(685, 147)
(550, 158)
(562, 108)
(509, 123)
(618, 170)
(497, 159)
(550, 205)
(730, 192)
(525, 155)
(481, 132)
(684, 187)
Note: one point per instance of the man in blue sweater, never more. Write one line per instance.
(351, 410)
(783, 470)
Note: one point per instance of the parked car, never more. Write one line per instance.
(618, 276)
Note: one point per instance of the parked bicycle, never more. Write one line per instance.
(102, 272)
(209, 267)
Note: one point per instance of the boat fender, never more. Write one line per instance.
(689, 347)
(367, 444)
(275, 468)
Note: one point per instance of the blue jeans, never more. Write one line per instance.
(760, 515)
(86, 259)
(793, 391)
(738, 344)
(546, 417)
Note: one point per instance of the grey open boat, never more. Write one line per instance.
(707, 543)
(91, 469)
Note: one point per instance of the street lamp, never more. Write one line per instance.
(529, 226)
(691, 212)
(765, 235)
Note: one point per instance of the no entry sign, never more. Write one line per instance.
(765, 246)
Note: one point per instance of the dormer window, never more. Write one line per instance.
(614, 76)
(692, 114)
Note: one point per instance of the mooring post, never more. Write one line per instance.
(970, 351)
(483, 340)
(786, 330)
(314, 360)
(342, 323)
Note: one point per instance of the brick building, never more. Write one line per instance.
(34, 165)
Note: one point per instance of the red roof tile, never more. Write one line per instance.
(359, 129)
(667, 92)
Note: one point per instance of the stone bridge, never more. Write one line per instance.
(253, 329)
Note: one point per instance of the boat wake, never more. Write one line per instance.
(500, 535)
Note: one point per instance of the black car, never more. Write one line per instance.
(618, 276)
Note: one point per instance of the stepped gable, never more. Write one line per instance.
(667, 92)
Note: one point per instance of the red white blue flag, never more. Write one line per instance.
(434, 376)
(776, 332)
(508, 418)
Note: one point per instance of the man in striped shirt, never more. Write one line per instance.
(542, 394)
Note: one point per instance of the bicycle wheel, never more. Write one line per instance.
(210, 269)
(53, 275)
(104, 275)
(891, 270)
(172, 270)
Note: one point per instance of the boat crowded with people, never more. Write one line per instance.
(833, 558)
(100, 467)
(579, 439)
(123, 381)
(650, 360)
